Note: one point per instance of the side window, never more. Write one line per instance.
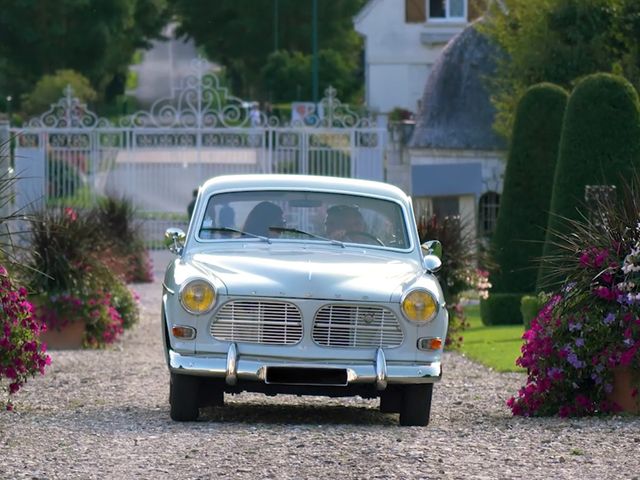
(488, 206)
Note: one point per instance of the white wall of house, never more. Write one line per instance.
(399, 55)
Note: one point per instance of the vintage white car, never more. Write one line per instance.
(303, 285)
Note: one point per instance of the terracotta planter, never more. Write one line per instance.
(624, 381)
(68, 337)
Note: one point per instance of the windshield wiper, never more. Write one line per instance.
(233, 230)
(309, 234)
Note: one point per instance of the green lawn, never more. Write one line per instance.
(494, 346)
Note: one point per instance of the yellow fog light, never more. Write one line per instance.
(197, 296)
(419, 306)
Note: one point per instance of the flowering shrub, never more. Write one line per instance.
(117, 219)
(459, 273)
(76, 272)
(591, 325)
(103, 322)
(21, 353)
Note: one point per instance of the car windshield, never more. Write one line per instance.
(310, 216)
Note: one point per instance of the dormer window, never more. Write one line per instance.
(447, 10)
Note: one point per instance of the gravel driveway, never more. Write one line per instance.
(105, 414)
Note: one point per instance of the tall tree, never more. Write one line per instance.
(96, 38)
(559, 41)
(240, 34)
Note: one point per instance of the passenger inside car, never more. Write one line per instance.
(262, 217)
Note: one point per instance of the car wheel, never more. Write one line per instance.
(212, 393)
(416, 405)
(391, 401)
(184, 391)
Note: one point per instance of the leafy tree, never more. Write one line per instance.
(286, 75)
(50, 89)
(96, 38)
(240, 35)
(600, 145)
(522, 219)
(559, 41)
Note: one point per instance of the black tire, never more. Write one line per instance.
(391, 401)
(416, 405)
(184, 391)
(212, 393)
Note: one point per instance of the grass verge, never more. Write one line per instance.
(496, 346)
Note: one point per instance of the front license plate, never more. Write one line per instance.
(307, 376)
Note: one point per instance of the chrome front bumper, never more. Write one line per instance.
(232, 368)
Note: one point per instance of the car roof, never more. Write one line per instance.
(307, 182)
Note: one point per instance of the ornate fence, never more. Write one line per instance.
(155, 158)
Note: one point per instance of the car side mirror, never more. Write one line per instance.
(432, 247)
(432, 251)
(174, 240)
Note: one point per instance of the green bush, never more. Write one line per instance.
(501, 309)
(524, 205)
(50, 89)
(125, 302)
(530, 305)
(600, 145)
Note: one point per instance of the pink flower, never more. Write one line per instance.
(71, 214)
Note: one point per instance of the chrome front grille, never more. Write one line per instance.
(257, 321)
(356, 327)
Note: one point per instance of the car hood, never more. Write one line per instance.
(322, 274)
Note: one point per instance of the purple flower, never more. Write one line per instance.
(609, 319)
(580, 342)
(574, 327)
(575, 362)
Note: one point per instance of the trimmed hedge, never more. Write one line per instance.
(600, 145)
(520, 232)
(530, 305)
(501, 309)
(524, 205)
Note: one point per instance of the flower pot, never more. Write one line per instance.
(69, 337)
(625, 380)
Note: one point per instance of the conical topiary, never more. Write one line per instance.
(600, 145)
(520, 231)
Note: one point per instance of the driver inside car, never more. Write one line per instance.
(345, 223)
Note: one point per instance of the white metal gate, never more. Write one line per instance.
(156, 158)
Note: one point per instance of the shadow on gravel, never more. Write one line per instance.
(119, 420)
(296, 415)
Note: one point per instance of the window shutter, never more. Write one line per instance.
(415, 11)
(476, 9)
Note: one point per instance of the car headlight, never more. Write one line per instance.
(197, 296)
(419, 306)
